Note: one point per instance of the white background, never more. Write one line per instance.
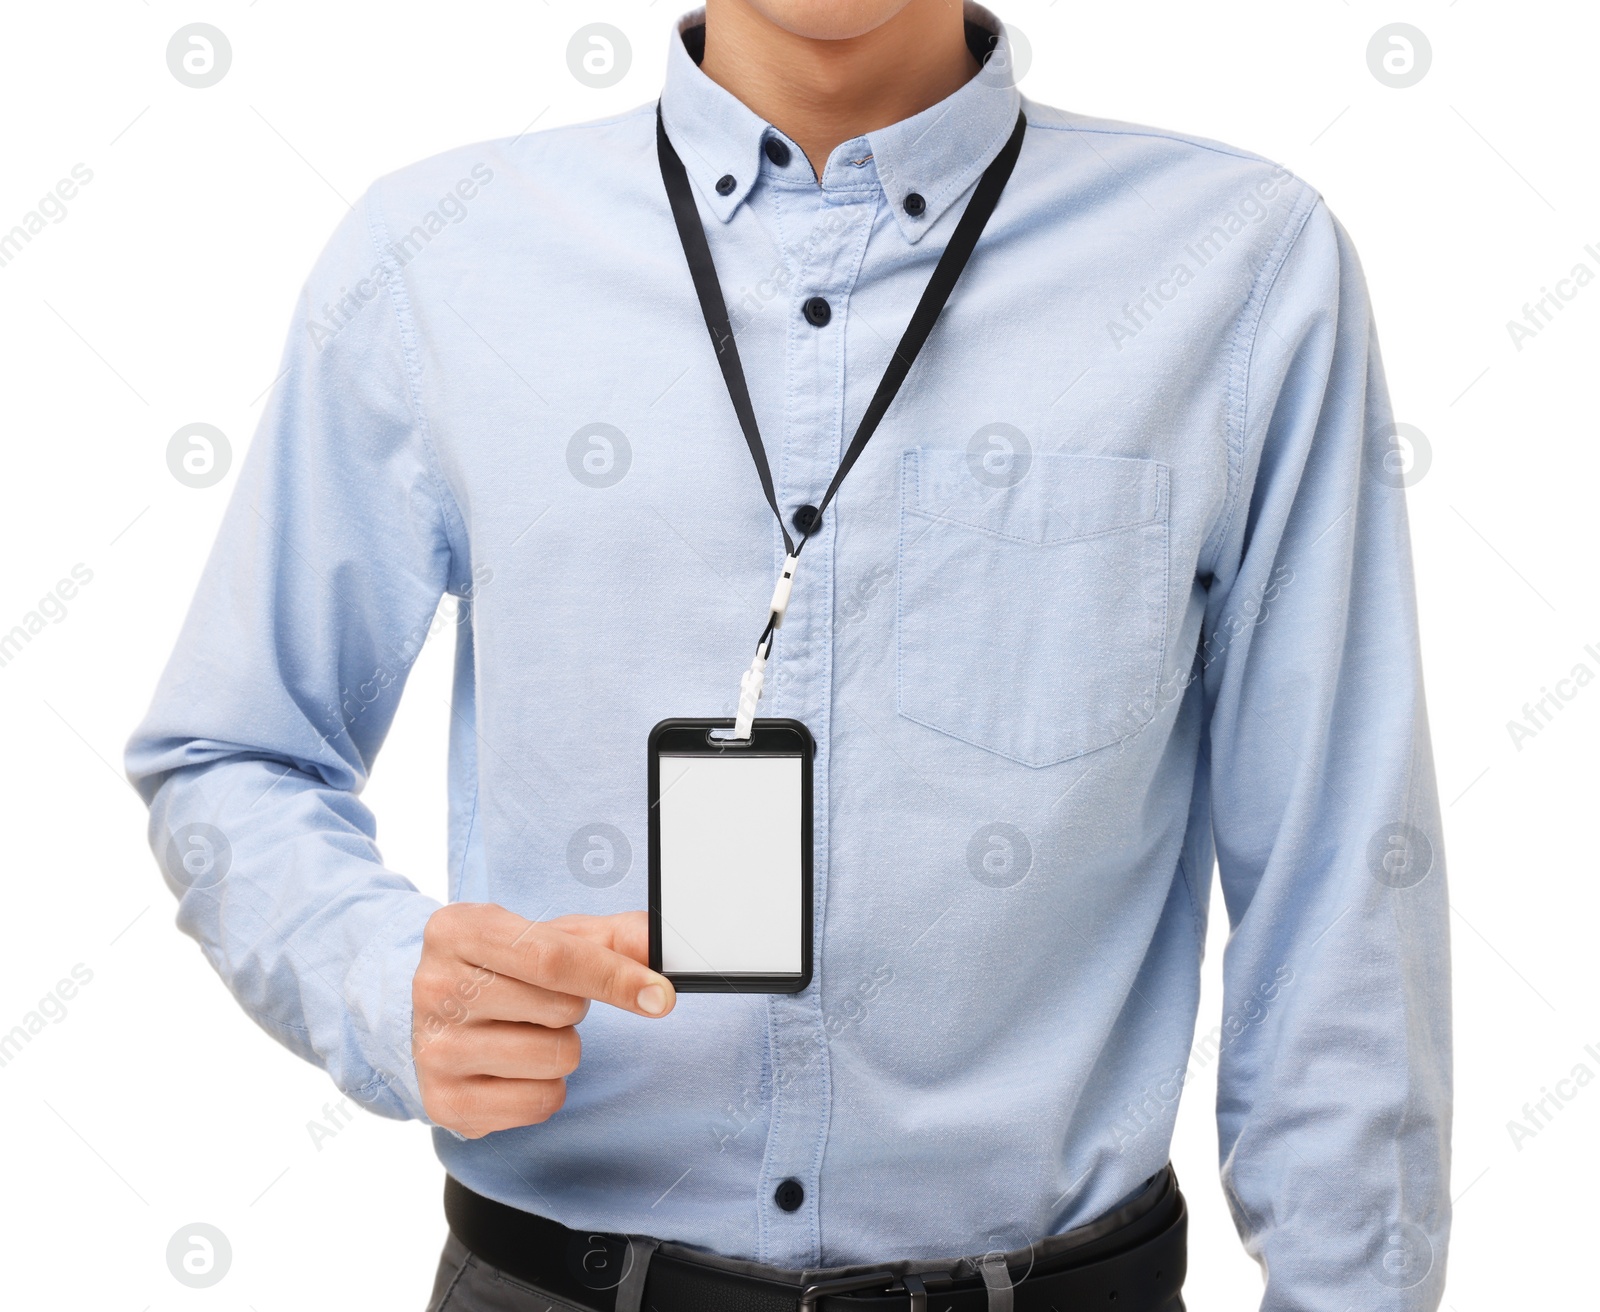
(161, 299)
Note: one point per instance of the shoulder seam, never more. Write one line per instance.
(1216, 148)
(1246, 331)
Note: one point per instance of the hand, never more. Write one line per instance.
(495, 1004)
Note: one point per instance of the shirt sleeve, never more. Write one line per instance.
(1333, 1106)
(338, 543)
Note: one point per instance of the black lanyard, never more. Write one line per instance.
(937, 292)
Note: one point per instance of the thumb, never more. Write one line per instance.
(626, 932)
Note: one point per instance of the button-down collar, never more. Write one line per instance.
(938, 154)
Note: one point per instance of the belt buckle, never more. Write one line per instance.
(809, 1294)
(885, 1281)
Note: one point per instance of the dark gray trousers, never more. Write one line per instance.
(466, 1284)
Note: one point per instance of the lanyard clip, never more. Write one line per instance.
(750, 684)
(754, 679)
(780, 593)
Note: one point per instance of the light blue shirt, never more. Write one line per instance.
(1121, 585)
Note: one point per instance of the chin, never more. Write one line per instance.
(827, 20)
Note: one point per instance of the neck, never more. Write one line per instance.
(823, 90)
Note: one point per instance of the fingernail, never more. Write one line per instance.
(652, 999)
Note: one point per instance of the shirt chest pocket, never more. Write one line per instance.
(1032, 599)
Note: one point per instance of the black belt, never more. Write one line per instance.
(1133, 1259)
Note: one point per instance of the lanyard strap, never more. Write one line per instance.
(701, 267)
(691, 232)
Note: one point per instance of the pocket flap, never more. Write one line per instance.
(1044, 497)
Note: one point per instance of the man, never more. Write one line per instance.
(1120, 585)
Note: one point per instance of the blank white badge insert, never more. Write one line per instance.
(730, 865)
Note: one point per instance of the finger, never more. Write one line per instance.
(627, 932)
(510, 1051)
(567, 963)
(507, 999)
(484, 1104)
(447, 991)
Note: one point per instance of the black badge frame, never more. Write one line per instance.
(768, 737)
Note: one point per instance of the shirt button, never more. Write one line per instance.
(789, 1195)
(777, 152)
(817, 311)
(725, 184)
(915, 205)
(807, 519)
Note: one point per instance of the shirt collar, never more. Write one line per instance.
(936, 154)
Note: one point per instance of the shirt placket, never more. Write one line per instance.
(824, 235)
